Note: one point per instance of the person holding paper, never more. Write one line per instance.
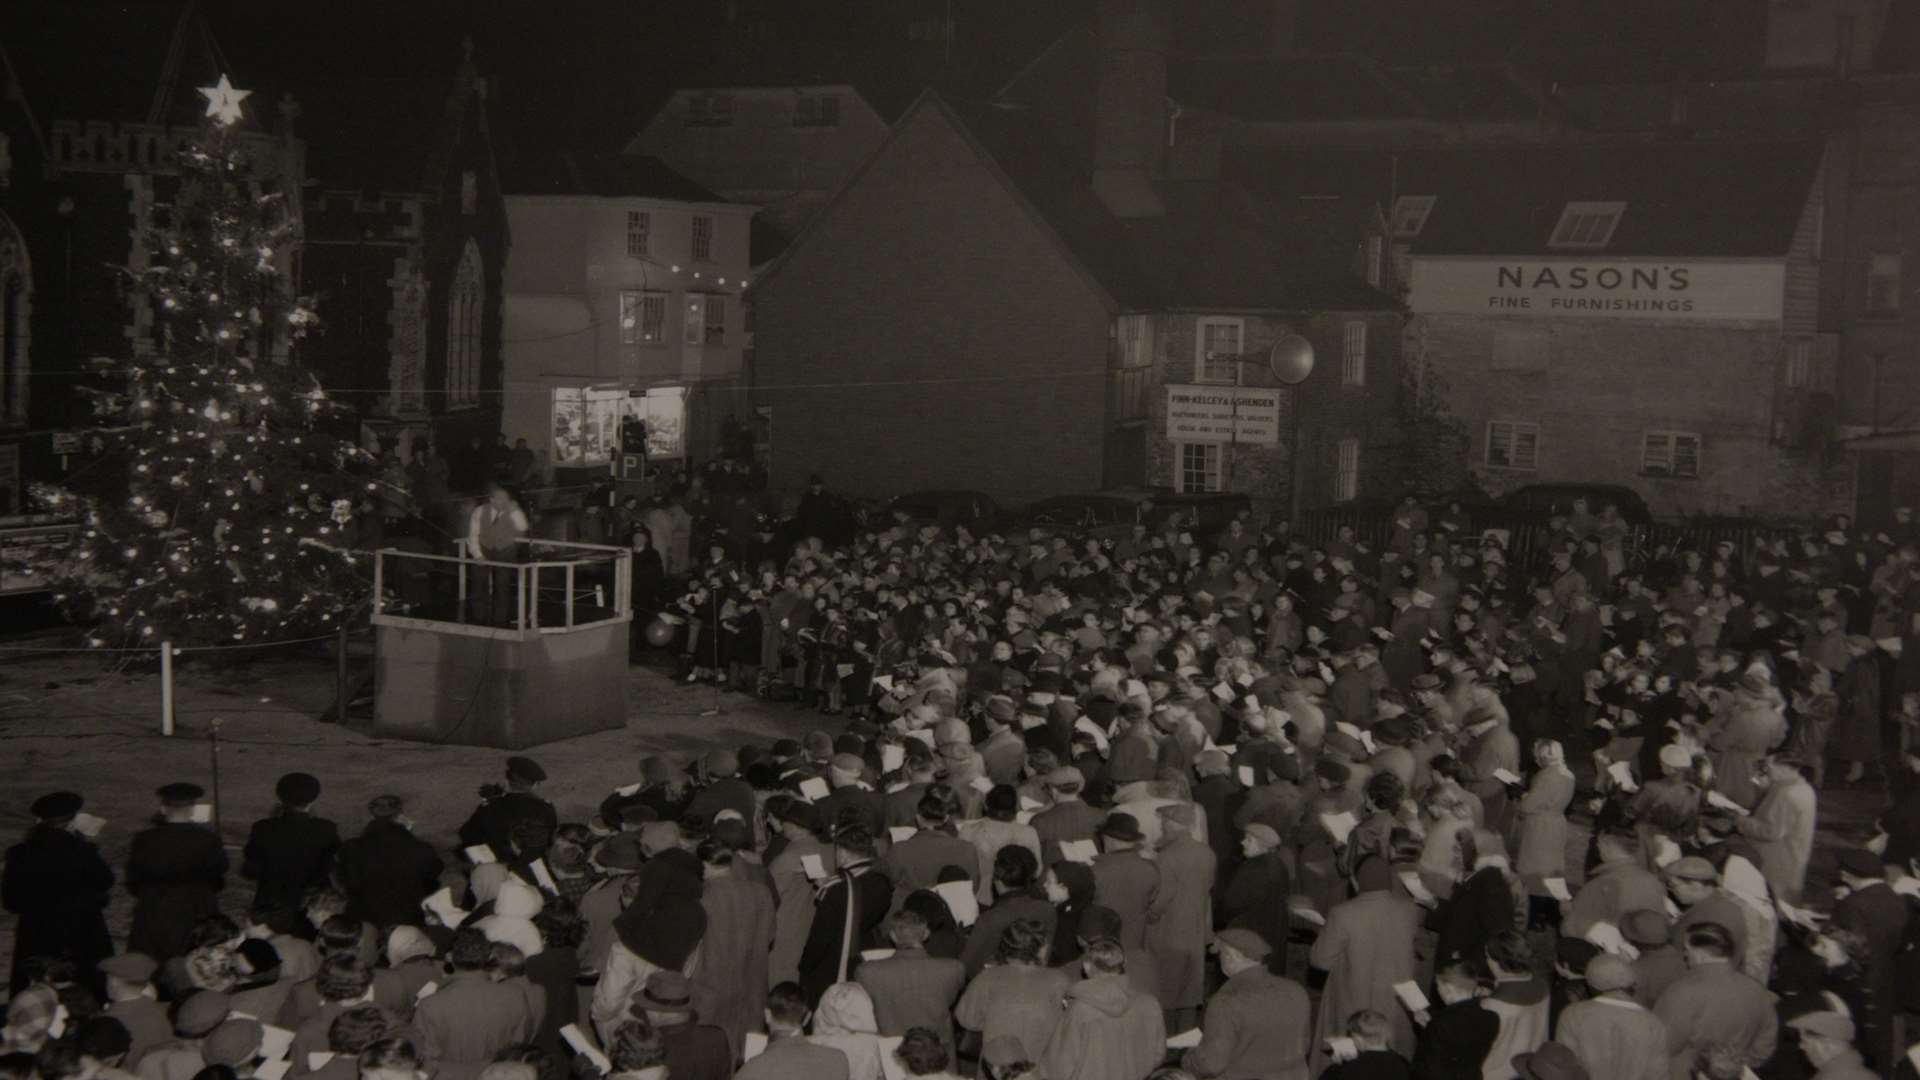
(1620, 884)
(57, 884)
(471, 1018)
(1181, 918)
(175, 872)
(848, 908)
(916, 862)
(798, 825)
(1255, 898)
(1612, 1034)
(1366, 1051)
(1124, 880)
(1069, 818)
(910, 988)
(1000, 828)
(1257, 1023)
(1541, 828)
(1017, 895)
(1781, 827)
(1365, 948)
(661, 928)
(1714, 1008)
(492, 822)
(1455, 1038)
(790, 1055)
(636, 1052)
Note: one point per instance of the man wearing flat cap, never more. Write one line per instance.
(57, 884)
(492, 824)
(1612, 1034)
(175, 873)
(1257, 1023)
(292, 851)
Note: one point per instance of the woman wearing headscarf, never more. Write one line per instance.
(845, 1022)
(1541, 828)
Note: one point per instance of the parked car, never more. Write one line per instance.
(1538, 502)
(970, 508)
(1100, 515)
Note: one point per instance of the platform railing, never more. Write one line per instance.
(461, 594)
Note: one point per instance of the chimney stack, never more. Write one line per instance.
(1130, 108)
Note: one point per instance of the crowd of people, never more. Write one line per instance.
(1177, 805)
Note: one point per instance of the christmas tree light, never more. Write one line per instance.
(215, 509)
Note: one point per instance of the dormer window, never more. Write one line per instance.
(1587, 225)
(1410, 215)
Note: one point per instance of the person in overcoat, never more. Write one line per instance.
(1749, 724)
(1541, 822)
(175, 872)
(292, 851)
(1125, 881)
(1856, 735)
(847, 908)
(1257, 1022)
(1365, 948)
(56, 883)
(492, 822)
(1181, 921)
(471, 1018)
(387, 871)
(730, 982)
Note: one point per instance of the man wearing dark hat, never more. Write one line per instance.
(695, 1051)
(387, 871)
(797, 823)
(57, 884)
(492, 824)
(723, 788)
(175, 872)
(1069, 818)
(292, 851)
(1124, 879)
(854, 899)
(1257, 1023)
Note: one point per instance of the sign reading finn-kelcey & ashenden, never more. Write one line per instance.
(1247, 415)
(1729, 291)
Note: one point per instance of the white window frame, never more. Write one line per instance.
(1200, 362)
(1509, 432)
(1353, 354)
(639, 233)
(1346, 470)
(643, 317)
(700, 238)
(1587, 226)
(1212, 468)
(693, 326)
(1797, 363)
(1884, 273)
(1410, 214)
(1660, 454)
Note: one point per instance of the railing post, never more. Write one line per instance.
(570, 596)
(166, 688)
(379, 579)
(460, 610)
(520, 595)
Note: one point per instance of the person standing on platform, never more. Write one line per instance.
(494, 531)
(57, 884)
(175, 873)
(492, 823)
(292, 851)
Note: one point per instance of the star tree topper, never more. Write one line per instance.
(223, 101)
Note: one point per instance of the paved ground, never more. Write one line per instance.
(67, 723)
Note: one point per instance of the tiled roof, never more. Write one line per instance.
(1732, 199)
(604, 175)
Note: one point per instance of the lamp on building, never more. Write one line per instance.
(1289, 360)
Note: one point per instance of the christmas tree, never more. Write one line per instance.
(219, 508)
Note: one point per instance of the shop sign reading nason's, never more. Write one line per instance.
(1247, 415)
(1742, 291)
